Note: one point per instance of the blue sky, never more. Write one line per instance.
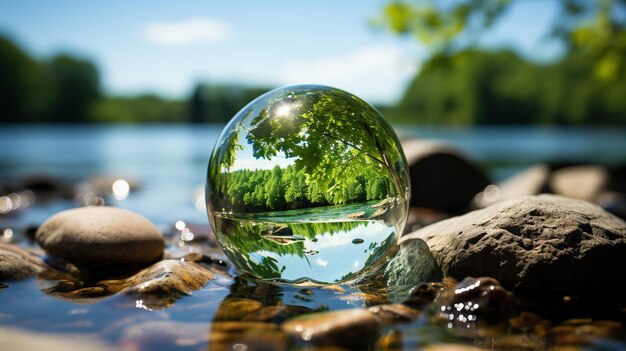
(164, 47)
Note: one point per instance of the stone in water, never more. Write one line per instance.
(289, 173)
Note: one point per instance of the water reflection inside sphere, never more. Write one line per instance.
(307, 183)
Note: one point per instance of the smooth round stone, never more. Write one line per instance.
(101, 235)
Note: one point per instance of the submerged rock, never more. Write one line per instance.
(101, 235)
(17, 263)
(542, 241)
(441, 177)
(163, 283)
(155, 287)
(354, 329)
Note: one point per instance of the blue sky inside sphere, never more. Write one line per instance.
(165, 47)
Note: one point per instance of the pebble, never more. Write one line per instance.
(101, 235)
(536, 241)
(17, 263)
(355, 329)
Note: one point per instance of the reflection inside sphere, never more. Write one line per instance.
(307, 183)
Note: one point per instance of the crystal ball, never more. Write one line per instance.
(307, 183)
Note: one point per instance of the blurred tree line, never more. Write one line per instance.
(460, 84)
(67, 89)
(62, 88)
(480, 87)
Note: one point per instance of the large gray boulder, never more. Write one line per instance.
(542, 241)
(101, 235)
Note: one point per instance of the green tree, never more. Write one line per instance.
(333, 138)
(275, 190)
(75, 87)
(21, 93)
(197, 105)
(137, 109)
(483, 87)
(596, 28)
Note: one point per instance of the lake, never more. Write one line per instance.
(170, 161)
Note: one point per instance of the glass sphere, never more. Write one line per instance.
(307, 183)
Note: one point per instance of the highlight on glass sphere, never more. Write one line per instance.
(307, 183)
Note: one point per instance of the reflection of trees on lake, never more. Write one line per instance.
(340, 146)
(256, 242)
(377, 252)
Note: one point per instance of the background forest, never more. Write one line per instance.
(459, 81)
(469, 87)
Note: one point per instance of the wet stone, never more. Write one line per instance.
(355, 329)
(161, 284)
(422, 294)
(236, 309)
(473, 301)
(101, 235)
(388, 314)
(17, 263)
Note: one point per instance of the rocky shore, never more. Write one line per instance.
(480, 266)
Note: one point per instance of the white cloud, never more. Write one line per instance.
(375, 73)
(189, 31)
(321, 262)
